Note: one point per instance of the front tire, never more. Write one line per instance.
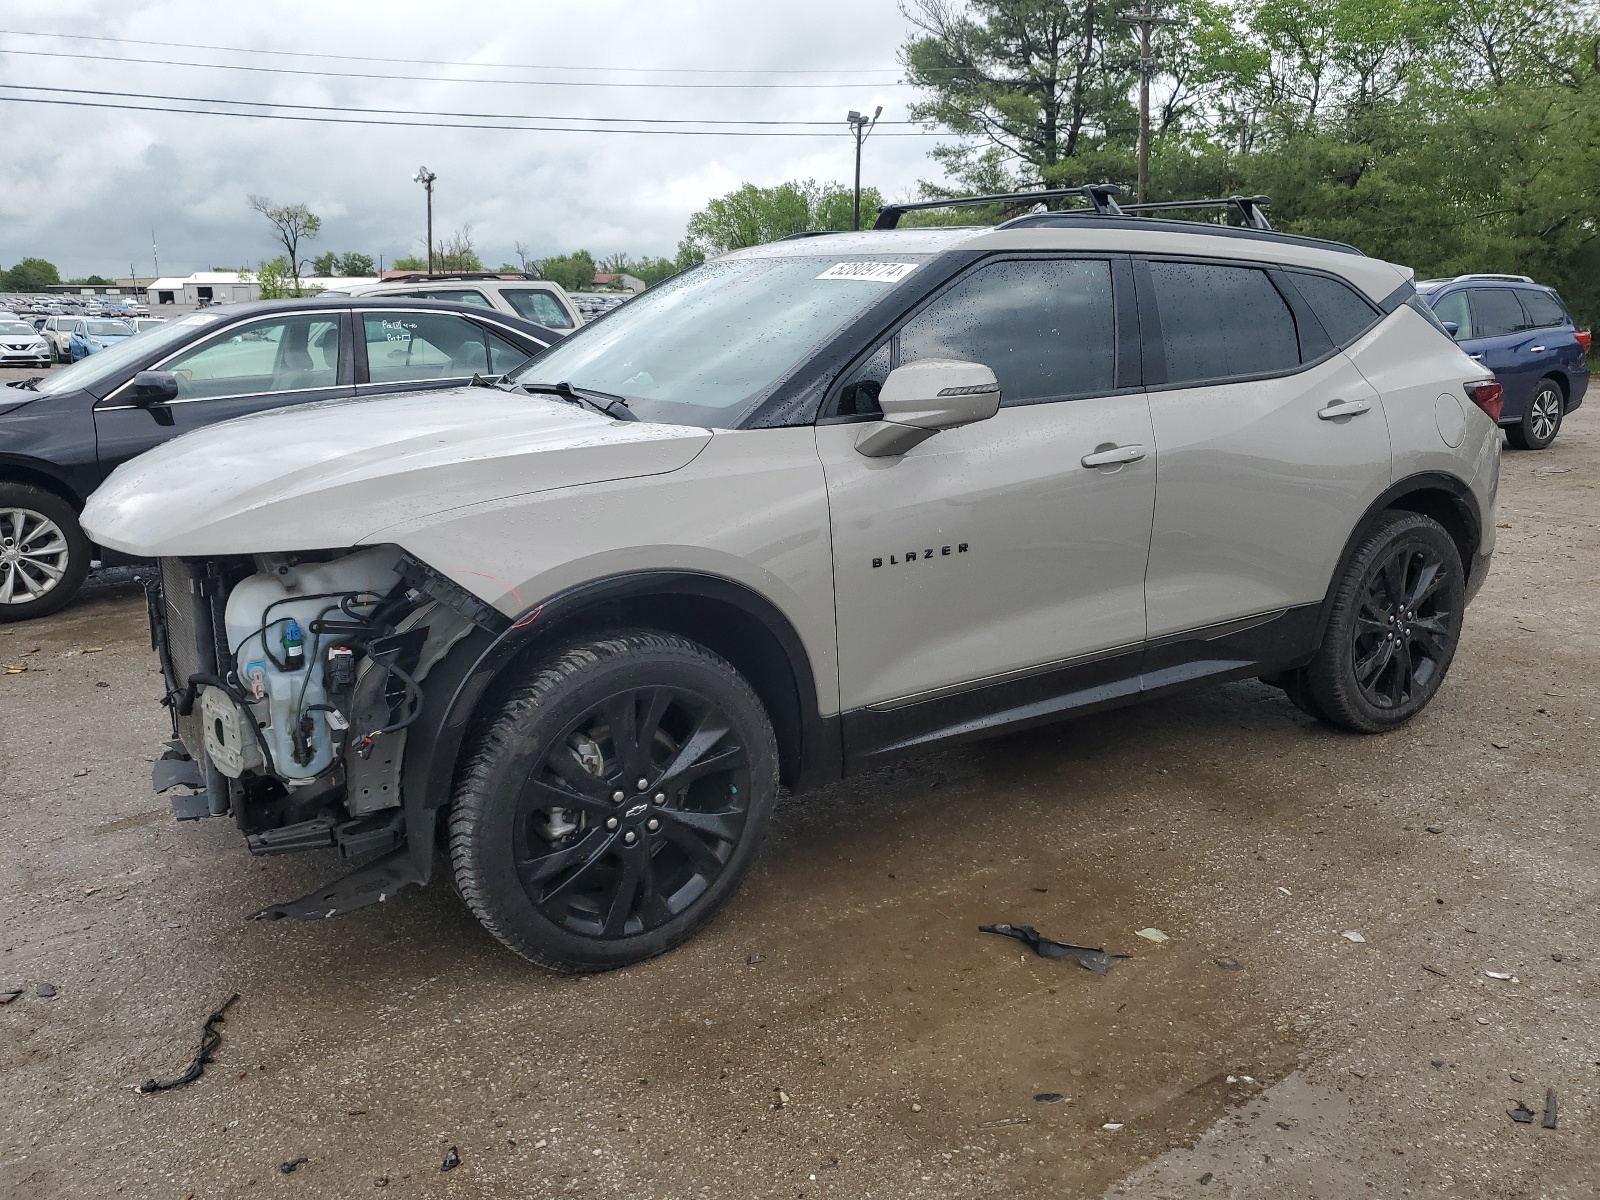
(44, 553)
(1394, 627)
(1542, 421)
(615, 801)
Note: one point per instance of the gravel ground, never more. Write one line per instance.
(843, 1029)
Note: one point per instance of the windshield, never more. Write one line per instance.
(699, 348)
(90, 371)
(109, 329)
(15, 328)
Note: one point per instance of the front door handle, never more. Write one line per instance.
(1535, 349)
(1115, 456)
(1343, 408)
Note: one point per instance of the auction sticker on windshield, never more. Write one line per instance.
(871, 272)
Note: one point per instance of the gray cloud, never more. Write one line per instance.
(87, 186)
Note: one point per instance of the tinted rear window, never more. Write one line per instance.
(1495, 311)
(1544, 309)
(1222, 322)
(1343, 311)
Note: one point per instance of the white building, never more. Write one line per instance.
(228, 287)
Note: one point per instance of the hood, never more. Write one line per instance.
(325, 476)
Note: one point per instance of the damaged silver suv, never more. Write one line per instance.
(791, 514)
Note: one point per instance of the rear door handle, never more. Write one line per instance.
(1114, 457)
(1343, 408)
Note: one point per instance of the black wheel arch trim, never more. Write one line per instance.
(1463, 502)
(34, 472)
(457, 685)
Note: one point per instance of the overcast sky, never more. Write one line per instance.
(84, 187)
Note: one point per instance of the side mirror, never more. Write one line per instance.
(153, 388)
(921, 398)
(1450, 327)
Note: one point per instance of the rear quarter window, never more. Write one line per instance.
(1544, 309)
(1344, 312)
(538, 306)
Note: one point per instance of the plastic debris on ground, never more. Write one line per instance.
(1505, 976)
(44, 991)
(1090, 958)
(1549, 1108)
(1228, 964)
(1152, 935)
(1049, 1097)
(1439, 971)
(1352, 935)
(452, 1160)
(1112, 1126)
(1521, 1114)
(290, 1167)
(1003, 1122)
(10, 994)
(210, 1039)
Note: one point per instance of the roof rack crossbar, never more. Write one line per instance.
(1101, 197)
(1250, 208)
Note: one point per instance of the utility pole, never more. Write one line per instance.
(426, 178)
(860, 126)
(1147, 21)
(155, 257)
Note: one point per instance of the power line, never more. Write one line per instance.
(412, 78)
(403, 112)
(427, 62)
(334, 120)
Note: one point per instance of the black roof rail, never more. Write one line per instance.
(1101, 198)
(1250, 208)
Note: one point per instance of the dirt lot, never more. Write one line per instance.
(843, 1029)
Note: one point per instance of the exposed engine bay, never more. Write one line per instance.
(292, 681)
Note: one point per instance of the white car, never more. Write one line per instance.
(537, 300)
(57, 333)
(20, 346)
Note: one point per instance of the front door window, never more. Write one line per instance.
(282, 354)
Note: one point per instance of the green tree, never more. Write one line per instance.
(92, 281)
(410, 263)
(354, 263)
(293, 224)
(278, 281)
(30, 275)
(325, 264)
(1042, 83)
(752, 216)
(574, 272)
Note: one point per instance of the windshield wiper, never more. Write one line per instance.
(604, 403)
(31, 384)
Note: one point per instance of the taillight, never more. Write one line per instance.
(1488, 396)
(1583, 340)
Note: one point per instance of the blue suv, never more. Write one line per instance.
(1523, 333)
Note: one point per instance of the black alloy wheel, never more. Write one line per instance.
(1393, 631)
(1542, 421)
(615, 802)
(632, 813)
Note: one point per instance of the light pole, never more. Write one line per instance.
(426, 177)
(860, 126)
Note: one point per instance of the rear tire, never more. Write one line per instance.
(44, 553)
(614, 803)
(1394, 627)
(1542, 421)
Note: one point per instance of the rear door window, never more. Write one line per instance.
(1046, 327)
(1496, 311)
(1344, 312)
(1544, 310)
(404, 347)
(538, 306)
(1222, 323)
